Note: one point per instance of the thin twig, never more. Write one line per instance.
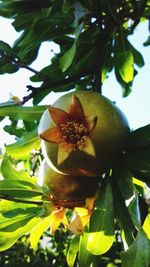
(24, 66)
(53, 84)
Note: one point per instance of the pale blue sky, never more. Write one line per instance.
(136, 106)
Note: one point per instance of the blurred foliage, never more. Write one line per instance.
(52, 251)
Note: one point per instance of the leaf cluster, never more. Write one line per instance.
(92, 36)
(24, 207)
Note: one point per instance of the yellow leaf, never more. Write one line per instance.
(57, 217)
(38, 230)
(138, 182)
(99, 243)
(81, 211)
(146, 226)
(84, 215)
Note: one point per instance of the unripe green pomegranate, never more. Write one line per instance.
(83, 133)
(66, 190)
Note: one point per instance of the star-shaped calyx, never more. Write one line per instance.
(72, 131)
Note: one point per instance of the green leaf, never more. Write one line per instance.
(13, 129)
(140, 186)
(38, 230)
(146, 226)
(123, 178)
(122, 214)
(138, 58)
(16, 220)
(11, 219)
(106, 68)
(22, 113)
(138, 255)
(134, 210)
(124, 59)
(127, 87)
(8, 103)
(139, 138)
(73, 250)
(66, 6)
(26, 20)
(63, 88)
(138, 161)
(9, 68)
(39, 97)
(24, 145)
(147, 42)
(12, 183)
(9, 173)
(103, 211)
(86, 62)
(101, 234)
(53, 70)
(17, 184)
(67, 59)
(125, 62)
(85, 257)
(19, 189)
(6, 48)
(99, 243)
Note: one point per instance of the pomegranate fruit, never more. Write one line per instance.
(65, 190)
(83, 134)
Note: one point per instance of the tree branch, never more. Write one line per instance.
(50, 84)
(24, 66)
(90, 71)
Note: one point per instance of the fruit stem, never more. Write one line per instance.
(69, 203)
(97, 83)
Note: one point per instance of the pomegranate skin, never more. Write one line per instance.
(68, 189)
(108, 137)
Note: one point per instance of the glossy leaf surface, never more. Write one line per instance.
(122, 214)
(85, 257)
(146, 225)
(101, 232)
(73, 250)
(139, 138)
(24, 146)
(67, 58)
(10, 173)
(16, 220)
(138, 254)
(123, 177)
(138, 162)
(19, 189)
(38, 231)
(22, 113)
